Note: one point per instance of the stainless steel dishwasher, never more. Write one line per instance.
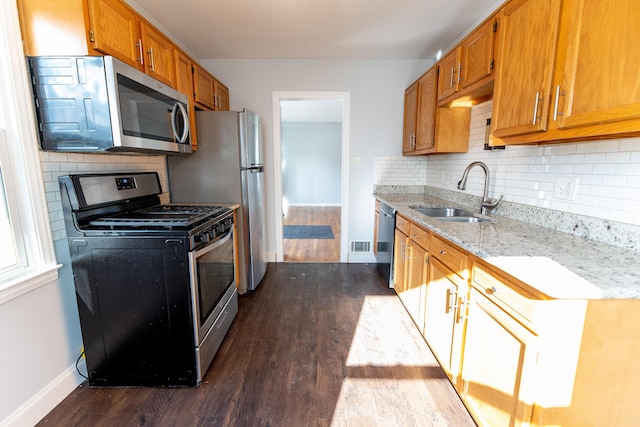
(386, 229)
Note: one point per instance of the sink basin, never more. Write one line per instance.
(461, 219)
(442, 212)
(448, 214)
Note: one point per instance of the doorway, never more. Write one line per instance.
(311, 143)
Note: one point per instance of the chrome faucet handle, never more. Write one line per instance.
(492, 203)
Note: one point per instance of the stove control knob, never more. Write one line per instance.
(202, 237)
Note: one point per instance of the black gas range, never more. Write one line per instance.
(155, 283)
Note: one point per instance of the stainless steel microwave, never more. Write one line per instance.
(100, 104)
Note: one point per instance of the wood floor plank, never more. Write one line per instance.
(318, 344)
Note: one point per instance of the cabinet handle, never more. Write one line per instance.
(451, 78)
(459, 309)
(448, 305)
(153, 68)
(140, 52)
(459, 73)
(443, 252)
(490, 291)
(555, 108)
(408, 252)
(535, 108)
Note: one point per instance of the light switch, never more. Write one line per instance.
(356, 160)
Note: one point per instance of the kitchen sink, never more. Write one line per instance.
(461, 219)
(448, 214)
(442, 212)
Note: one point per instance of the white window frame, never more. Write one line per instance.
(21, 167)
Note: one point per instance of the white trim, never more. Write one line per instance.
(277, 166)
(40, 404)
(17, 117)
(28, 282)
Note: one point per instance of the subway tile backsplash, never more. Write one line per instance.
(57, 164)
(606, 174)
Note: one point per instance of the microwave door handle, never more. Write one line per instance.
(185, 132)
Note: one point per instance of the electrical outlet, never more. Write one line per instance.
(566, 188)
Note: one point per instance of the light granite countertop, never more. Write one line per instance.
(558, 264)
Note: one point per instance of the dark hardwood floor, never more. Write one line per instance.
(316, 345)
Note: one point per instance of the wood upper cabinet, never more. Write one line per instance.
(411, 95)
(115, 30)
(430, 129)
(522, 89)
(203, 88)
(478, 54)
(598, 60)
(564, 71)
(220, 96)
(158, 51)
(449, 69)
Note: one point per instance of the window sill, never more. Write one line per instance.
(28, 282)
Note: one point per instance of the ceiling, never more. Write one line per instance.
(317, 29)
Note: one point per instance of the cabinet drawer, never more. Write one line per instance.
(453, 258)
(498, 290)
(420, 236)
(402, 224)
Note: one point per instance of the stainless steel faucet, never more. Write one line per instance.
(487, 203)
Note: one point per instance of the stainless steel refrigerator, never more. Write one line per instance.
(228, 167)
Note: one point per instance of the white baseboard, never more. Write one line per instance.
(36, 408)
(356, 258)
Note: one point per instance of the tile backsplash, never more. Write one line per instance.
(607, 173)
(57, 164)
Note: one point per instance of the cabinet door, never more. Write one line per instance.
(115, 30)
(203, 88)
(449, 74)
(400, 246)
(410, 118)
(528, 38)
(477, 54)
(416, 280)
(221, 96)
(158, 55)
(426, 114)
(440, 315)
(599, 59)
(499, 362)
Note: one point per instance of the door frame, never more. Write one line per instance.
(277, 160)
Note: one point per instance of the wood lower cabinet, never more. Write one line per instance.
(376, 227)
(400, 245)
(416, 279)
(443, 316)
(499, 365)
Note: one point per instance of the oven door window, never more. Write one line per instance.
(215, 273)
(146, 113)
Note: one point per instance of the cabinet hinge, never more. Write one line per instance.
(491, 64)
(92, 37)
(495, 27)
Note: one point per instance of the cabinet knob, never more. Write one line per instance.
(443, 252)
(490, 291)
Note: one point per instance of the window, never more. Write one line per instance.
(27, 258)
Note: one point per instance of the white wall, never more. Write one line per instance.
(377, 97)
(311, 163)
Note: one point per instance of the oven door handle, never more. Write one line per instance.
(214, 244)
